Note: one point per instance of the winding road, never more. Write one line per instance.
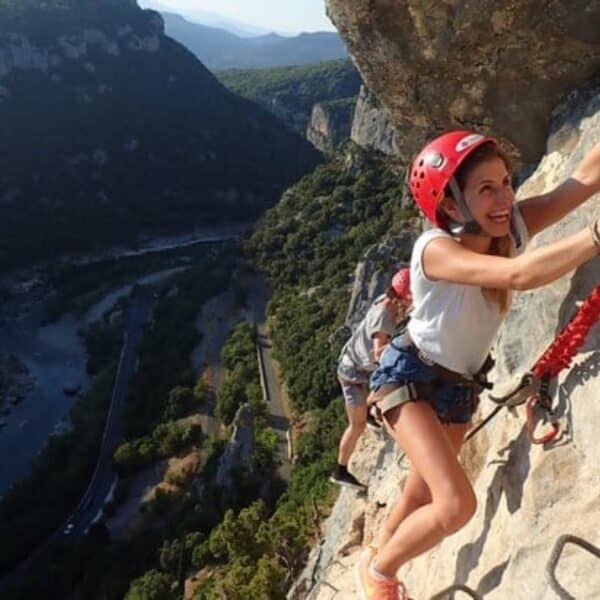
(279, 412)
(103, 481)
(104, 478)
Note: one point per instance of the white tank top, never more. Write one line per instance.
(453, 324)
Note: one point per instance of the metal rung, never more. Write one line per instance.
(555, 557)
(457, 588)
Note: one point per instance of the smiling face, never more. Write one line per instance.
(489, 195)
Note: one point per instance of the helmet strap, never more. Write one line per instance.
(514, 230)
(469, 224)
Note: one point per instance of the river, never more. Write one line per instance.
(55, 357)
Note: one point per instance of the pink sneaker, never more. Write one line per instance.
(370, 588)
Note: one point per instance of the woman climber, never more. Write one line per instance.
(462, 274)
(358, 358)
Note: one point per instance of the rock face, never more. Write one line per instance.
(496, 68)
(238, 454)
(330, 124)
(528, 495)
(372, 126)
(371, 279)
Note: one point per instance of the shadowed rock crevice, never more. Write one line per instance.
(508, 480)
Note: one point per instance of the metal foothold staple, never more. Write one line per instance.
(555, 557)
(445, 594)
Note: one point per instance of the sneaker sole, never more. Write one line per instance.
(360, 488)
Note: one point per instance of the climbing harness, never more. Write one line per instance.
(533, 388)
(441, 378)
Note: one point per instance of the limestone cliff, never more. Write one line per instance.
(330, 124)
(528, 495)
(372, 126)
(482, 65)
(239, 450)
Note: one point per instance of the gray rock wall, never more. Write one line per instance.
(330, 124)
(374, 272)
(497, 67)
(372, 126)
(239, 450)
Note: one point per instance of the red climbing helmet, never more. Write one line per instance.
(436, 165)
(401, 284)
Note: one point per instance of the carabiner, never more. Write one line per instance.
(532, 402)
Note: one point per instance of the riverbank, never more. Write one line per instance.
(49, 358)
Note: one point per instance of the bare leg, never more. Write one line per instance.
(416, 429)
(357, 417)
(415, 492)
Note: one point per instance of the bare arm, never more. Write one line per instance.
(446, 259)
(542, 211)
(380, 341)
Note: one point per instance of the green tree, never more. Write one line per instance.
(153, 585)
(270, 580)
(180, 402)
(201, 392)
(235, 537)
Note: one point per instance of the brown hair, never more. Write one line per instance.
(391, 293)
(503, 246)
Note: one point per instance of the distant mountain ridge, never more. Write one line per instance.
(110, 128)
(210, 19)
(220, 49)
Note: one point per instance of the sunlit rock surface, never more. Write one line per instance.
(528, 495)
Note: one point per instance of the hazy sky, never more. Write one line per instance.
(291, 16)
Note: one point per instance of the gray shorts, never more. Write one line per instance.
(354, 383)
(355, 394)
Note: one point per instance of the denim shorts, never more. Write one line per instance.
(452, 403)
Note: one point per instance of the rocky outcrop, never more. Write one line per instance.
(295, 117)
(17, 52)
(528, 495)
(496, 68)
(237, 456)
(372, 126)
(330, 124)
(374, 272)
